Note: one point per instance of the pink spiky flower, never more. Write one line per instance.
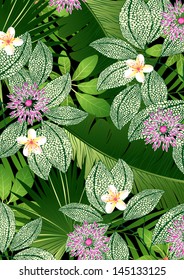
(87, 242)
(173, 21)
(176, 237)
(28, 103)
(69, 5)
(163, 128)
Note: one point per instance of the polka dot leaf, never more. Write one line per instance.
(172, 47)
(33, 254)
(178, 156)
(118, 248)
(20, 78)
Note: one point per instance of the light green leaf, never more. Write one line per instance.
(5, 183)
(113, 76)
(146, 258)
(19, 78)
(12, 64)
(64, 63)
(172, 47)
(40, 63)
(135, 22)
(118, 248)
(8, 139)
(172, 59)
(58, 90)
(90, 87)
(155, 50)
(125, 106)
(142, 203)
(153, 89)
(114, 48)
(40, 165)
(7, 226)
(33, 254)
(85, 68)
(94, 105)
(178, 155)
(160, 232)
(179, 67)
(145, 235)
(81, 212)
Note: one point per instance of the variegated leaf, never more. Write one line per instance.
(135, 22)
(160, 232)
(153, 89)
(114, 48)
(171, 47)
(178, 155)
(81, 212)
(142, 204)
(118, 249)
(40, 63)
(19, 78)
(125, 106)
(40, 165)
(33, 254)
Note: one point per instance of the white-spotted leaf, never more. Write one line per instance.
(20, 78)
(33, 254)
(171, 47)
(40, 165)
(178, 156)
(118, 249)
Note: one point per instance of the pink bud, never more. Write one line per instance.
(181, 20)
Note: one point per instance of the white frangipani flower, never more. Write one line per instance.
(8, 42)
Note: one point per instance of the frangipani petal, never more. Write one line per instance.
(140, 60)
(140, 77)
(120, 205)
(147, 68)
(11, 32)
(130, 62)
(2, 34)
(109, 208)
(17, 42)
(105, 197)
(37, 150)
(129, 73)
(22, 140)
(123, 194)
(31, 133)
(2, 44)
(41, 140)
(112, 189)
(9, 49)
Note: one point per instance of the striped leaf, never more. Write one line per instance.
(58, 90)
(26, 235)
(125, 106)
(33, 254)
(7, 226)
(113, 76)
(171, 47)
(142, 204)
(160, 232)
(178, 156)
(19, 78)
(12, 64)
(135, 22)
(153, 89)
(8, 139)
(40, 63)
(81, 212)
(57, 149)
(114, 48)
(118, 248)
(66, 115)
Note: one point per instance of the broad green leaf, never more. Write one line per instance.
(155, 50)
(145, 235)
(19, 78)
(146, 258)
(172, 47)
(40, 63)
(58, 148)
(113, 48)
(135, 22)
(113, 76)
(7, 226)
(180, 66)
(64, 63)
(178, 156)
(58, 90)
(85, 68)
(81, 212)
(153, 89)
(8, 139)
(160, 232)
(10, 65)
(26, 235)
(33, 254)
(94, 105)
(172, 59)
(66, 115)
(90, 87)
(5, 183)
(118, 248)
(142, 203)
(40, 165)
(125, 106)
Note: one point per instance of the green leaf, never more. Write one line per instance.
(10, 65)
(160, 232)
(8, 139)
(40, 165)
(153, 89)
(90, 87)
(5, 183)
(142, 203)
(19, 78)
(178, 155)
(94, 105)
(113, 76)
(26, 235)
(145, 235)
(172, 47)
(58, 90)
(81, 212)
(125, 106)
(118, 248)
(155, 50)
(172, 59)
(135, 22)
(33, 254)
(66, 115)
(180, 66)
(7, 226)
(113, 48)
(85, 68)
(146, 258)
(64, 63)
(40, 63)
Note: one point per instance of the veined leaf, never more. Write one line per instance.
(178, 156)
(155, 50)
(118, 248)
(40, 165)
(90, 87)
(5, 183)
(33, 254)
(19, 78)
(85, 68)
(64, 63)
(172, 47)
(172, 59)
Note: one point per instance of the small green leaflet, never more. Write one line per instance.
(85, 68)
(160, 232)
(90, 87)
(172, 59)
(142, 204)
(145, 235)
(125, 106)
(178, 155)
(155, 50)
(172, 47)
(40, 63)
(118, 248)
(64, 63)
(40, 165)
(7, 226)
(81, 212)
(33, 254)
(5, 183)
